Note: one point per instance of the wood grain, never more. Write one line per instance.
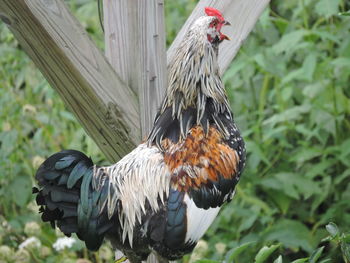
(242, 14)
(72, 64)
(135, 47)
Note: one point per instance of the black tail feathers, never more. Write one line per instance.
(68, 200)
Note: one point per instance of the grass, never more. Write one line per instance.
(289, 90)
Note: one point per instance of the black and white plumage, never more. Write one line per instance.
(163, 196)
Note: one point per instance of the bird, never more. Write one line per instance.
(161, 197)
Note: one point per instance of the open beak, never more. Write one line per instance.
(223, 37)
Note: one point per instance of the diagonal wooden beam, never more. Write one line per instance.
(242, 14)
(105, 106)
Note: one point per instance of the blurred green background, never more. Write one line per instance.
(289, 87)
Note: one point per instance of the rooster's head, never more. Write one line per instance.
(213, 23)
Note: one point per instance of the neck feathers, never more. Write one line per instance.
(193, 75)
(195, 94)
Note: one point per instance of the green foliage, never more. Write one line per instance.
(264, 253)
(289, 89)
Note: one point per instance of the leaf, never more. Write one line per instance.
(271, 62)
(8, 141)
(347, 13)
(286, 181)
(300, 260)
(207, 261)
(234, 69)
(346, 237)
(332, 229)
(248, 222)
(291, 114)
(345, 149)
(326, 36)
(281, 199)
(290, 233)
(320, 169)
(316, 255)
(327, 8)
(264, 253)
(278, 260)
(21, 189)
(342, 176)
(307, 154)
(325, 188)
(341, 62)
(66, 115)
(305, 72)
(345, 248)
(324, 120)
(233, 253)
(292, 184)
(309, 66)
(287, 93)
(313, 90)
(273, 133)
(289, 40)
(257, 153)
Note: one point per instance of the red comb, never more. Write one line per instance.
(210, 11)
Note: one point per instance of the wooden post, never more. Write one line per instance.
(135, 47)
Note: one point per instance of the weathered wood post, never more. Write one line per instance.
(135, 47)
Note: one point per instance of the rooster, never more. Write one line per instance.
(163, 196)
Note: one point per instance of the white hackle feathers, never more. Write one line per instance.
(195, 62)
(140, 177)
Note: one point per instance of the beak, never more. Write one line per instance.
(223, 37)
